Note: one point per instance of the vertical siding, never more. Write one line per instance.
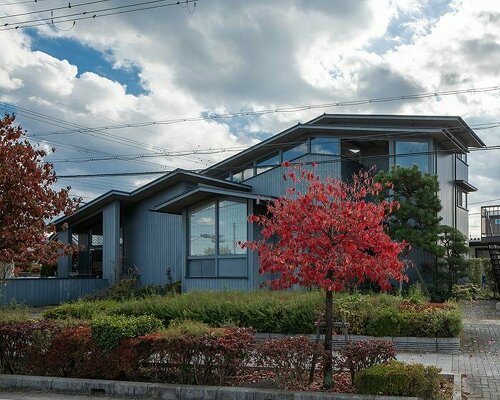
(462, 171)
(272, 183)
(64, 262)
(111, 263)
(446, 176)
(154, 241)
(463, 221)
(43, 292)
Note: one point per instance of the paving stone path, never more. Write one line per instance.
(479, 358)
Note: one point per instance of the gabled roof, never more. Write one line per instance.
(165, 181)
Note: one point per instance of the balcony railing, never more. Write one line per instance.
(490, 222)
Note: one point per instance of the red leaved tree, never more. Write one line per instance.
(330, 236)
(27, 201)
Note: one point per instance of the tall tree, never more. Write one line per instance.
(417, 220)
(27, 201)
(456, 247)
(329, 237)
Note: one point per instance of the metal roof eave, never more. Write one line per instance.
(176, 204)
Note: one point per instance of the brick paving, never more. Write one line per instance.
(478, 360)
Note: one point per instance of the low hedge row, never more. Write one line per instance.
(282, 312)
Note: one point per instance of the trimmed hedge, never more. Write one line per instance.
(399, 379)
(283, 312)
(108, 331)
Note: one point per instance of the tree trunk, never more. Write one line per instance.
(328, 368)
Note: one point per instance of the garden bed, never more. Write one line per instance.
(284, 312)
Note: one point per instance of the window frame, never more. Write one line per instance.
(408, 155)
(464, 196)
(311, 144)
(216, 257)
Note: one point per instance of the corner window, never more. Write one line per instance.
(325, 145)
(409, 154)
(214, 230)
(295, 152)
(461, 198)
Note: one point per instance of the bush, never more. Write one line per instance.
(188, 353)
(466, 292)
(283, 312)
(355, 356)
(291, 359)
(107, 331)
(82, 310)
(73, 353)
(13, 313)
(399, 379)
(128, 289)
(23, 345)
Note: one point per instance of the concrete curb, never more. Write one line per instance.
(169, 392)
(403, 344)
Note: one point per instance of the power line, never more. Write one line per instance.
(21, 2)
(244, 114)
(69, 6)
(105, 12)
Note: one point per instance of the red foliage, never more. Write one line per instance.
(329, 236)
(74, 354)
(207, 359)
(355, 356)
(422, 307)
(291, 359)
(27, 200)
(23, 346)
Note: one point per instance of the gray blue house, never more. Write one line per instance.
(187, 224)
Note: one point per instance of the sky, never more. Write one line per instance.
(226, 56)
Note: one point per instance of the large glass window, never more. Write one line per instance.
(214, 232)
(295, 152)
(268, 163)
(232, 227)
(202, 235)
(325, 145)
(413, 153)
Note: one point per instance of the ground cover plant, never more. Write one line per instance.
(283, 312)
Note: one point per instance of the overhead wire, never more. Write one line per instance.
(106, 12)
(68, 6)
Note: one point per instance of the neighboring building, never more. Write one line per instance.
(189, 223)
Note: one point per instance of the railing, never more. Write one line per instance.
(490, 221)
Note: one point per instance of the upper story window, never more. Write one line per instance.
(325, 145)
(412, 153)
(461, 198)
(462, 156)
(267, 163)
(295, 152)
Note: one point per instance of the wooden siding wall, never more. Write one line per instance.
(153, 241)
(446, 177)
(272, 183)
(111, 263)
(44, 292)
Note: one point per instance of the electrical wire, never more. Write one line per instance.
(243, 114)
(106, 12)
(69, 6)
(21, 2)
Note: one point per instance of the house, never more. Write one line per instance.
(187, 224)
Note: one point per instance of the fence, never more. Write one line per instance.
(48, 291)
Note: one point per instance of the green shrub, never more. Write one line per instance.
(399, 379)
(82, 310)
(283, 312)
(466, 292)
(13, 313)
(107, 331)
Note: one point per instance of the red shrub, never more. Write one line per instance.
(208, 359)
(73, 353)
(291, 360)
(23, 345)
(355, 356)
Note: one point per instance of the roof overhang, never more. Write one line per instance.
(87, 215)
(176, 204)
(465, 186)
